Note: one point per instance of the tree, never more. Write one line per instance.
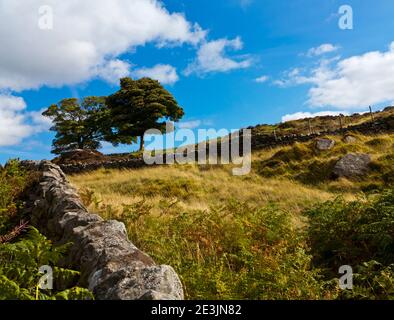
(140, 105)
(78, 124)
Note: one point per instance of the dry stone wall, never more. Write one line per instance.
(111, 266)
(259, 141)
(262, 141)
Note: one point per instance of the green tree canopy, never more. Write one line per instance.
(138, 106)
(78, 124)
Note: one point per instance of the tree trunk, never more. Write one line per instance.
(142, 143)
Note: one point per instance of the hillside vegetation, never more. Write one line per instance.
(302, 162)
(23, 250)
(322, 123)
(280, 232)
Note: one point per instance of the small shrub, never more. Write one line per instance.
(343, 233)
(373, 281)
(19, 270)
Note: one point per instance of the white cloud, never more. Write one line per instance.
(305, 115)
(9, 103)
(16, 123)
(39, 122)
(356, 81)
(189, 124)
(293, 77)
(165, 73)
(262, 79)
(324, 48)
(350, 83)
(113, 70)
(316, 75)
(86, 35)
(211, 57)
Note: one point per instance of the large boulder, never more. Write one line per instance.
(323, 144)
(352, 165)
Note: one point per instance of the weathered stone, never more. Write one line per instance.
(111, 266)
(322, 144)
(352, 165)
(80, 155)
(350, 139)
(154, 295)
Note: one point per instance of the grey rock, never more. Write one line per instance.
(349, 139)
(154, 295)
(352, 165)
(323, 144)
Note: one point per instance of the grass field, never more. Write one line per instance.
(242, 237)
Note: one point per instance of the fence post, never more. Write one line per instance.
(340, 122)
(370, 112)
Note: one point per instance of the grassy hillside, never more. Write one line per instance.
(266, 235)
(303, 163)
(321, 124)
(221, 233)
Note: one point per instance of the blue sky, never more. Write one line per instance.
(229, 63)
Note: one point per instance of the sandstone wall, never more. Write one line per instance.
(111, 266)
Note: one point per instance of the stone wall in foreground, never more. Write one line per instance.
(111, 266)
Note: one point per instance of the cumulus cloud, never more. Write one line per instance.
(211, 57)
(262, 79)
(12, 123)
(165, 73)
(349, 83)
(39, 123)
(298, 76)
(113, 70)
(305, 115)
(9, 103)
(86, 39)
(17, 124)
(322, 49)
(357, 81)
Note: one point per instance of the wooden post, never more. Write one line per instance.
(310, 126)
(370, 112)
(276, 138)
(340, 122)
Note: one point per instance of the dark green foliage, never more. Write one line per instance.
(373, 281)
(140, 105)
(359, 234)
(78, 124)
(19, 270)
(21, 258)
(12, 181)
(353, 232)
